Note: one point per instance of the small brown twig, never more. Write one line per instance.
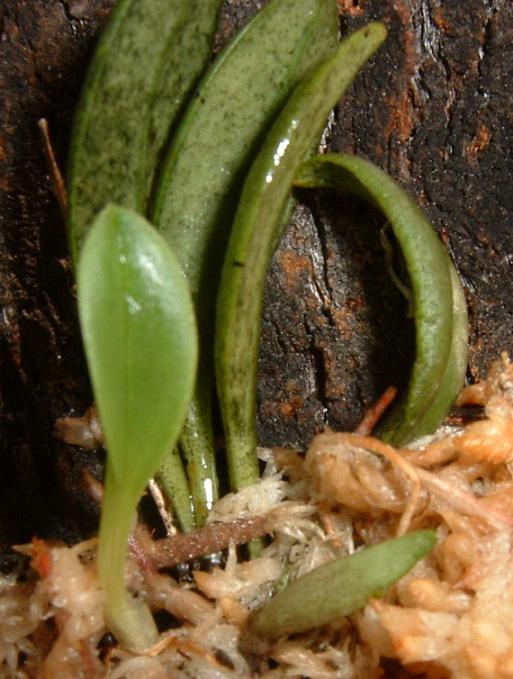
(178, 548)
(214, 537)
(59, 187)
(375, 412)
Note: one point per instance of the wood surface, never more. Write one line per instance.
(434, 108)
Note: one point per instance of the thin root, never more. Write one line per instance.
(375, 413)
(163, 510)
(462, 501)
(59, 187)
(212, 538)
(454, 497)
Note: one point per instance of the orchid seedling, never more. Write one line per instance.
(142, 74)
(140, 340)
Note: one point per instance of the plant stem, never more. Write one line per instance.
(128, 618)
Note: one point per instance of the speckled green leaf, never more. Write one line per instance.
(202, 176)
(148, 59)
(454, 374)
(340, 587)
(257, 228)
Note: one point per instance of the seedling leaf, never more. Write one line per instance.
(140, 340)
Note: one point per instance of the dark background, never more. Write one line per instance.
(434, 109)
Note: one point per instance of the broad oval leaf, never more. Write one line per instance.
(140, 339)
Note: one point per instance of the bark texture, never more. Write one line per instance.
(435, 109)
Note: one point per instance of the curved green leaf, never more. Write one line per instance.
(257, 228)
(340, 587)
(140, 341)
(438, 301)
(203, 173)
(455, 370)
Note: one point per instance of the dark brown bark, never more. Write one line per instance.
(44, 49)
(435, 109)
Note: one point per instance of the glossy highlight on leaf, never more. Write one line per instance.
(202, 176)
(438, 300)
(259, 223)
(140, 340)
(340, 587)
(172, 480)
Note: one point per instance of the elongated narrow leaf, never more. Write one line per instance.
(340, 587)
(147, 61)
(438, 301)
(257, 228)
(140, 340)
(235, 105)
(203, 174)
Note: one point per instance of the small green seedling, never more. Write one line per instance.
(340, 587)
(140, 340)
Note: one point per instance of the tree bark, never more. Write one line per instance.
(434, 109)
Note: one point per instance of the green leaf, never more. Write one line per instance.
(173, 482)
(202, 177)
(441, 335)
(455, 370)
(340, 587)
(258, 226)
(147, 61)
(140, 340)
